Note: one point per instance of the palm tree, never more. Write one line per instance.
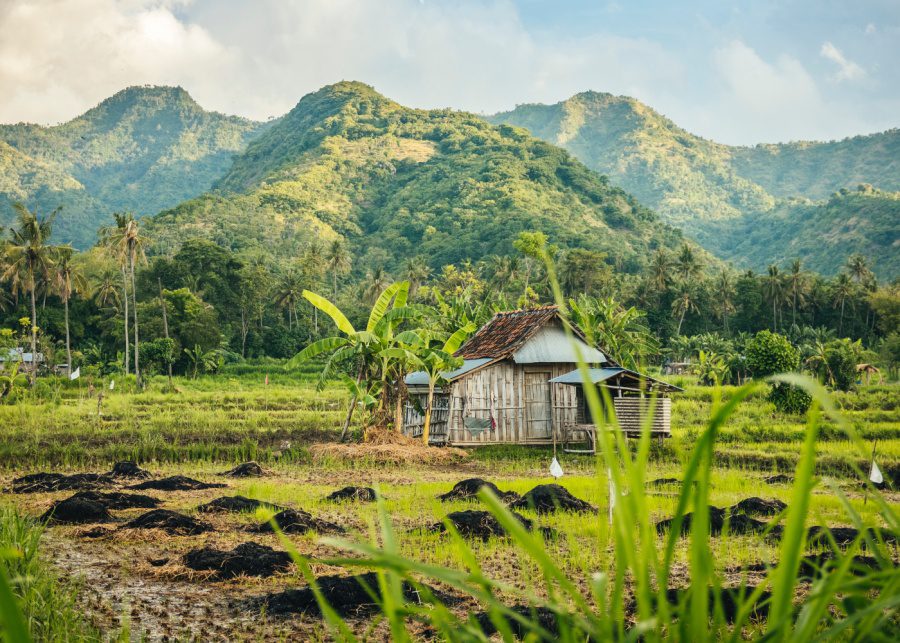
(337, 259)
(127, 243)
(841, 290)
(106, 289)
(684, 303)
(858, 268)
(773, 289)
(68, 280)
(416, 272)
(660, 270)
(724, 287)
(377, 280)
(798, 287)
(29, 258)
(688, 264)
(288, 294)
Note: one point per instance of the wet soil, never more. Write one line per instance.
(177, 483)
(843, 536)
(129, 469)
(171, 522)
(547, 498)
(297, 521)
(816, 565)
(358, 494)
(468, 490)
(543, 616)
(738, 523)
(43, 482)
(77, 510)
(759, 507)
(779, 478)
(235, 504)
(247, 559)
(666, 482)
(481, 524)
(120, 500)
(350, 596)
(245, 470)
(730, 599)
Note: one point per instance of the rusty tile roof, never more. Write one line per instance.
(508, 331)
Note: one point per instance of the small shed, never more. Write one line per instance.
(516, 383)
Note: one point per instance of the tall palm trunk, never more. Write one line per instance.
(841, 325)
(68, 343)
(33, 333)
(137, 369)
(162, 301)
(681, 321)
(127, 340)
(774, 317)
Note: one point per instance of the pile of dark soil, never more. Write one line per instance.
(481, 524)
(349, 596)
(120, 500)
(176, 483)
(247, 559)
(730, 599)
(236, 504)
(297, 521)
(814, 565)
(759, 507)
(545, 498)
(171, 522)
(738, 523)
(77, 510)
(667, 482)
(129, 469)
(359, 494)
(245, 470)
(819, 536)
(544, 617)
(468, 490)
(779, 478)
(42, 482)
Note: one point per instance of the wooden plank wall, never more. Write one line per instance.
(471, 396)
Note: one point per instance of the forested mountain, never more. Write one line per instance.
(399, 183)
(144, 149)
(718, 194)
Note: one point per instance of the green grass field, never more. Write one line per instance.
(214, 422)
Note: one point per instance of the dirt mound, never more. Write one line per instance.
(297, 521)
(245, 470)
(818, 536)
(545, 498)
(129, 469)
(247, 559)
(759, 507)
(779, 478)
(77, 510)
(349, 596)
(236, 504)
(738, 523)
(666, 482)
(360, 494)
(387, 447)
(120, 500)
(544, 617)
(171, 522)
(468, 490)
(730, 599)
(42, 482)
(177, 483)
(481, 524)
(816, 565)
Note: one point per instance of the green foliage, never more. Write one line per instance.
(769, 353)
(157, 354)
(842, 361)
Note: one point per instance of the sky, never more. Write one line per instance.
(739, 72)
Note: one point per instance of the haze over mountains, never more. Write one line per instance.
(446, 185)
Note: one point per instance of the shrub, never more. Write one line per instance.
(842, 364)
(769, 353)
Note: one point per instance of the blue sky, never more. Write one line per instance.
(739, 72)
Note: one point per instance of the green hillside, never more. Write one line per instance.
(400, 182)
(719, 194)
(816, 170)
(863, 221)
(144, 149)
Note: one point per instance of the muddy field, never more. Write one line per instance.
(187, 552)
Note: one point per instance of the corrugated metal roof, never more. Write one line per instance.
(596, 375)
(551, 344)
(420, 378)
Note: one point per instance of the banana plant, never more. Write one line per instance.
(10, 377)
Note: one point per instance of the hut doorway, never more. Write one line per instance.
(538, 418)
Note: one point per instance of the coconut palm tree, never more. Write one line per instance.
(842, 289)
(858, 268)
(724, 288)
(29, 260)
(688, 265)
(288, 294)
(797, 288)
(416, 272)
(106, 289)
(68, 280)
(684, 303)
(773, 290)
(337, 260)
(660, 270)
(376, 281)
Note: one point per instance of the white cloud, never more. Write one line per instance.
(847, 69)
(871, 29)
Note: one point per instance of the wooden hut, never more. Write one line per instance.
(515, 385)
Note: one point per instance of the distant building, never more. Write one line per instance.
(519, 384)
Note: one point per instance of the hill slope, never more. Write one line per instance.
(144, 149)
(399, 182)
(715, 192)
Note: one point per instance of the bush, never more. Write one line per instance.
(842, 364)
(770, 353)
